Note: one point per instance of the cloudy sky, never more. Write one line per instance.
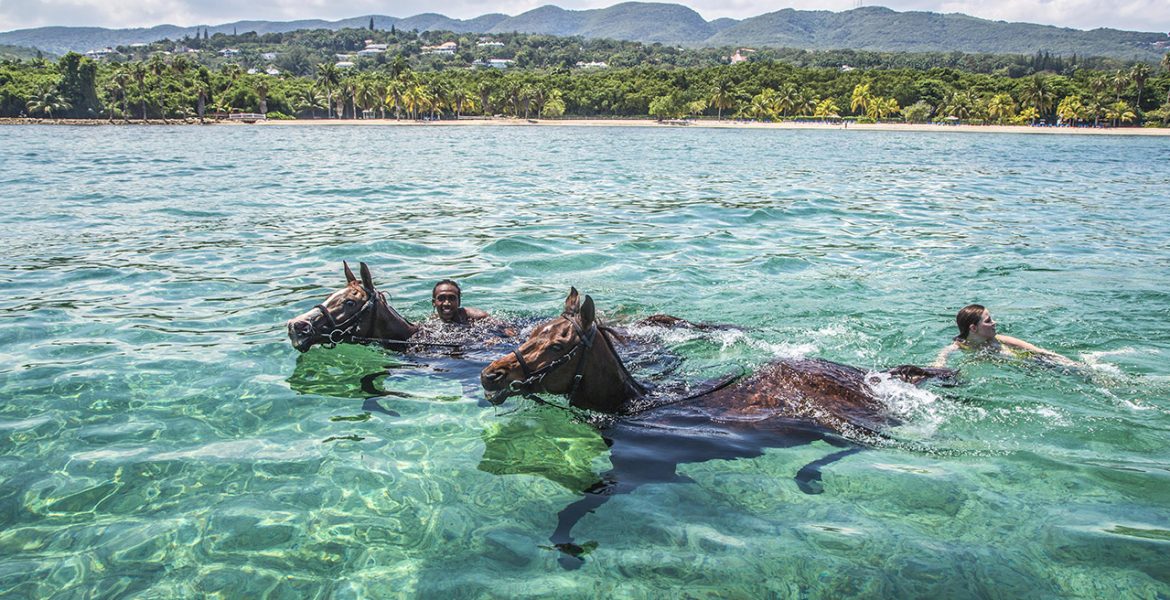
(1138, 15)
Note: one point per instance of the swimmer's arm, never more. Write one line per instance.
(941, 359)
(475, 314)
(1008, 340)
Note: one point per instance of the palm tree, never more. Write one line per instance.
(1071, 109)
(1001, 107)
(262, 91)
(1119, 112)
(1140, 73)
(460, 97)
(138, 70)
(395, 92)
(110, 91)
(960, 105)
(826, 108)
(1095, 107)
(121, 80)
(1038, 93)
(859, 103)
(1120, 79)
(1166, 66)
(721, 96)
(414, 99)
(880, 108)
(764, 105)
(202, 91)
(554, 106)
(327, 78)
(787, 99)
(158, 67)
(309, 100)
(368, 96)
(484, 90)
(46, 101)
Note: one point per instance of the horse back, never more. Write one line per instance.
(820, 392)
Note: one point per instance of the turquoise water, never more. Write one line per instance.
(159, 437)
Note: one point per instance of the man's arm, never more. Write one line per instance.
(475, 314)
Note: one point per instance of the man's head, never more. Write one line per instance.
(446, 297)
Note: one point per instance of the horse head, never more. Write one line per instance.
(357, 312)
(571, 355)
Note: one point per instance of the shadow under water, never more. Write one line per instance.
(642, 450)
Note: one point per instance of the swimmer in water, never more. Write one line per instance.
(447, 299)
(977, 333)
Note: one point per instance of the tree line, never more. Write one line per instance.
(166, 87)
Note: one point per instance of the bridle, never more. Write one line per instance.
(527, 387)
(343, 331)
(535, 379)
(339, 332)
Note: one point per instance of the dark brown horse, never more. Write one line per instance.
(786, 403)
(357, 313)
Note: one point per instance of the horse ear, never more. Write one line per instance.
(349, 278)
(588, 313)
(367, 279)
(573, 302)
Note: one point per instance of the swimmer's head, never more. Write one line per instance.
(969, 316)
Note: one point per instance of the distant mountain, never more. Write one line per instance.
(867, 28)
(882, 29)
(632, 21)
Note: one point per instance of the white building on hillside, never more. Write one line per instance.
(444, 48)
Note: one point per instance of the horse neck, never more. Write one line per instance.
(605, 385)
(387, 324)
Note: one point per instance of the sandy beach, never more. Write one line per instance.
(702, 123)
(729, 124)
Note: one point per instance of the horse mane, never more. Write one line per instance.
(606, 334)
(385, 302)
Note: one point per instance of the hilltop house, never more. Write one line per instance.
(741, 55)
(372, 49)
(447, 48)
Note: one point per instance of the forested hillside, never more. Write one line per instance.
(867, 28)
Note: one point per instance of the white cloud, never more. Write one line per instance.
(1140, 15)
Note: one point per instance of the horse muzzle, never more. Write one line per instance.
(302, 334)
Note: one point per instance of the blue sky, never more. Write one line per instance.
(1139, 15)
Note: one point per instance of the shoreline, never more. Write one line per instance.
(642, 122)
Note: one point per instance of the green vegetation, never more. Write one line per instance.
(866, 28)
(19, 53)
(405, 82)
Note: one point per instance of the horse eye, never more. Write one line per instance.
(349, 302)
(557, 347)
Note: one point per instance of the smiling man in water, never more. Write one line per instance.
(446, 297)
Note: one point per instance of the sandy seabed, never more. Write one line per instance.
(702, 123)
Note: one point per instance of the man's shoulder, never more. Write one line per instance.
(474, 314)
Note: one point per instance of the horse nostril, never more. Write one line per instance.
(301, 326)
(494, 376)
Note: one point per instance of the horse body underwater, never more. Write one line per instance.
(786, 403)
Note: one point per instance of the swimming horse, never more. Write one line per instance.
(786, 403)
(357, 313)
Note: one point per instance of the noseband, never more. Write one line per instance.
(536, 378)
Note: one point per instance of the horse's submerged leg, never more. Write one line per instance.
(808, 478)
(572, 555)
